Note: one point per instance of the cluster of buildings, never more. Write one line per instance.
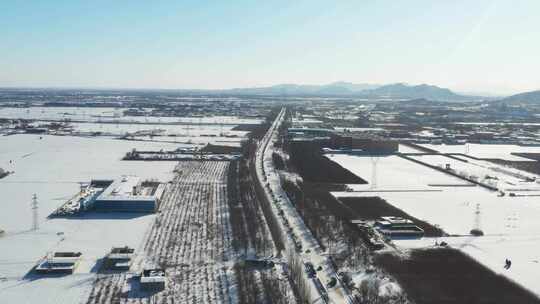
(398, 227)
(119, 259)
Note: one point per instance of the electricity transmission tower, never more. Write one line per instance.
(374, 160)
(476, 231)
(477, 217)
(35, 221)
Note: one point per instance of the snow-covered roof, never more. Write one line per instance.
(123, 190)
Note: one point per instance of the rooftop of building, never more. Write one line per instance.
(126, 188)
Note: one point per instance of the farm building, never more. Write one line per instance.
(153, 279)
(119, 258)
(59, 262)
(129, 194)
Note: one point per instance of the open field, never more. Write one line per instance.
(486, 151)
(393, 172)
(510, 223)
(113, 115)
(498, 176)
(111, 122)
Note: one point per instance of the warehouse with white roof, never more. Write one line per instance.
(129, 194)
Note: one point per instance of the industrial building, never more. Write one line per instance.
(398, 227)
(371, 145)
(309, 132)
(129, 194)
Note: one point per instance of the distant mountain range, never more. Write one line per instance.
(362, 90)
(525, 98)
(400, 90)
(397, 91)
(336, 88)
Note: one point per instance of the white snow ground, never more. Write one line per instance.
(510, 223)
(51, 168)
(113, 114)
(486, 151)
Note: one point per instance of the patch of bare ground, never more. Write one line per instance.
(372, 208)
(533, 156)
(525, 165)
(306, 159)
(218, 149)
(448, 276)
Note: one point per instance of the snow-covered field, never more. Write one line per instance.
(502, 177)
(51, 168)
(113, 114)
(191, 130)
(186, 134)
(408, 149)
(486, 151)
(393, 172)
(199, 131)
(510, 223)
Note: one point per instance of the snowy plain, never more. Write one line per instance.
(486, 150)
(52, 168)
(113, 115)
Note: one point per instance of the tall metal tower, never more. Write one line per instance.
(374, 160)
(477, 217)
(35, 221)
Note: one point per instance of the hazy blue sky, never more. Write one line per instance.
(485, 46)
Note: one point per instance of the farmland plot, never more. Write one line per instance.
(190, 239)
